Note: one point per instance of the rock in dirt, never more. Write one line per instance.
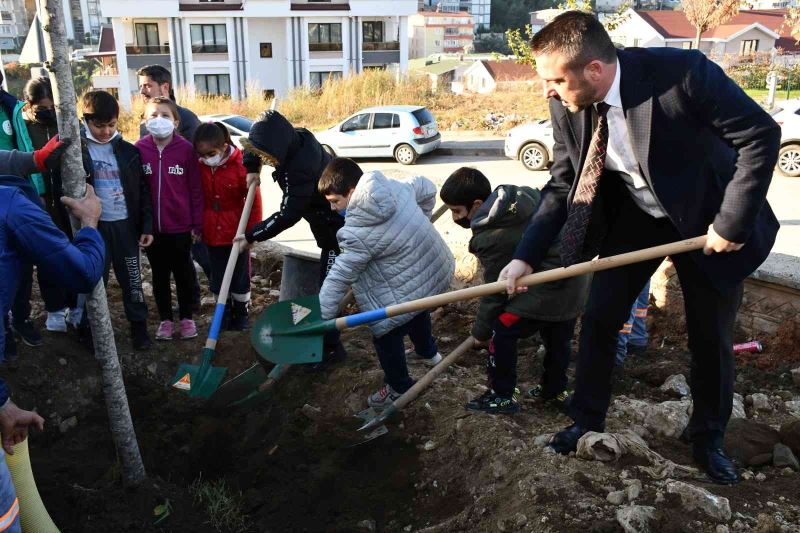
(676, 385)
(790, 435)
(695, 498)
(152, 368)
(629, 408)
(636, 518)
(616, 497)
(793, 407)
(782, 457)
(311, 412)
(634, 489)
(722, 528)
(542, 440)
(738, 407)
(520, 520)
(796, 376)
(429, 446)
(68, 423)
(367, 525)
(667, 418)
(759, 401)
(748, 439)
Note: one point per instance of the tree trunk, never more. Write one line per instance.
(697, 38)
(74, 180)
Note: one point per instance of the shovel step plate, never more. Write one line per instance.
(278, 334)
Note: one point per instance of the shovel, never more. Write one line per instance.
(291, 332)
(202, 380)
(374, 419)
(250, 386)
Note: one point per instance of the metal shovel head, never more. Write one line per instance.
(239, 390)
(275, 338)
(367, 415)
(199, 381)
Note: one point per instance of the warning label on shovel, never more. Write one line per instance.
(185, 383)
(299, 313)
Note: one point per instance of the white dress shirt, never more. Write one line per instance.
(619, 155)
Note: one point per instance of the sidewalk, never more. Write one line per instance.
(471, 143)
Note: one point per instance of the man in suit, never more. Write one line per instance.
(651, 146)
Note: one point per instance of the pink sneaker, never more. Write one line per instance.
(188, 329)
(165, 331)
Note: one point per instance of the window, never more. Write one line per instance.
(373, 31)
(268, 94)
(213, 84)
(687, 45)
(147, 37)
(423, 116)
(357, 123)
(451, 31)
(324, 37)
(240, 123)
(7, 17)
(266, 49)
(318, 78)
(749, 46)
(209, 38)
(385, 120)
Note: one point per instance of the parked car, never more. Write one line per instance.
(787, 114)
(404, 132)
(532, 144)
(238, 126)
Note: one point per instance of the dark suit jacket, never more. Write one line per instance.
(705, 148)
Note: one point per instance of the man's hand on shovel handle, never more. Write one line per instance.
(716, 243)
(512, 272)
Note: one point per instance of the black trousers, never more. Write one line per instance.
(240, 282)
(200, 254)
(501, 365)
(392, 351)
(710, 318)
(122, 251)
(170, 255)
(324, 225)
(54, 296)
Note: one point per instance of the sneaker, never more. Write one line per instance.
(28, 332)
(75, 316)
(165, 331)
(383, 398)
(139, 337)
(428, 361)
(239, 317)
(560, 400)
(56, 321)
(188, 328)
(492, 403)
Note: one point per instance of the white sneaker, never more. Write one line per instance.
(383, 398)
(427, 361)
(56, 321)
(75, 316)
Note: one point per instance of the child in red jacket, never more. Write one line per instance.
(225, 190)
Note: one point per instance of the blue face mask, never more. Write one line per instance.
(342, 212)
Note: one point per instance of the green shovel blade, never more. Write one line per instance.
(199, 381)
(239, 389)
(290, 332)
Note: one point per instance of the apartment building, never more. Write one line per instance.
(233, 47)
(438, 32)
(481, 10)
(13, 24)
(83, 20)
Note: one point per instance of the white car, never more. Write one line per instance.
(402, 131)
(787, 115)
(238, 126)
(532, 144)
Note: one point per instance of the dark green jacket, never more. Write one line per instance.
(497, 228)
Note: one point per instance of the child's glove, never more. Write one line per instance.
(48, 158)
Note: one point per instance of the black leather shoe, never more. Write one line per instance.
(718, 466)
(566, 440)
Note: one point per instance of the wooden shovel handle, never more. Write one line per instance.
(349, 296)
(604, 263)
(411, 394)
(235, 251)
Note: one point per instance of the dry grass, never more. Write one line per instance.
(317, 110)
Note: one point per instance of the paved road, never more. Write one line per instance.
(784, 196)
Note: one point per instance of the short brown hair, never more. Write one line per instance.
(100, 106)
(341, 175)
(173, 107)
(577, 35)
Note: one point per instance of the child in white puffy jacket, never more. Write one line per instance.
(391, 253)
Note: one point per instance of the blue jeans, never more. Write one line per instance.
(634, 331)
(9, 506)
(392, 351)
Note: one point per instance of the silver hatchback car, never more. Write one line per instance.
(402, 131)
(532, 144)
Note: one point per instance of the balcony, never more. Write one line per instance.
(134, 50)
(324, 47)
(380, 47)
(381, 53)
(210, 49)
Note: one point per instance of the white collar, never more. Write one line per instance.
(613, 96)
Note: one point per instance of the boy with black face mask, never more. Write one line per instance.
(498, 219)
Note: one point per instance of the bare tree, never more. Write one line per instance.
(73, 176)
(706, 15)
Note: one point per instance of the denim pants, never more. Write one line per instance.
(501, 366)
(9, 505)
(634, 331)
(392, 351)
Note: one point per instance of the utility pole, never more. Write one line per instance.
(74, 179)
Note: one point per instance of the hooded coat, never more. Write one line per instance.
(299, 162)
(497, 227)
(391, 253)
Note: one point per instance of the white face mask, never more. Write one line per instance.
(213, 161)
(160, 127)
